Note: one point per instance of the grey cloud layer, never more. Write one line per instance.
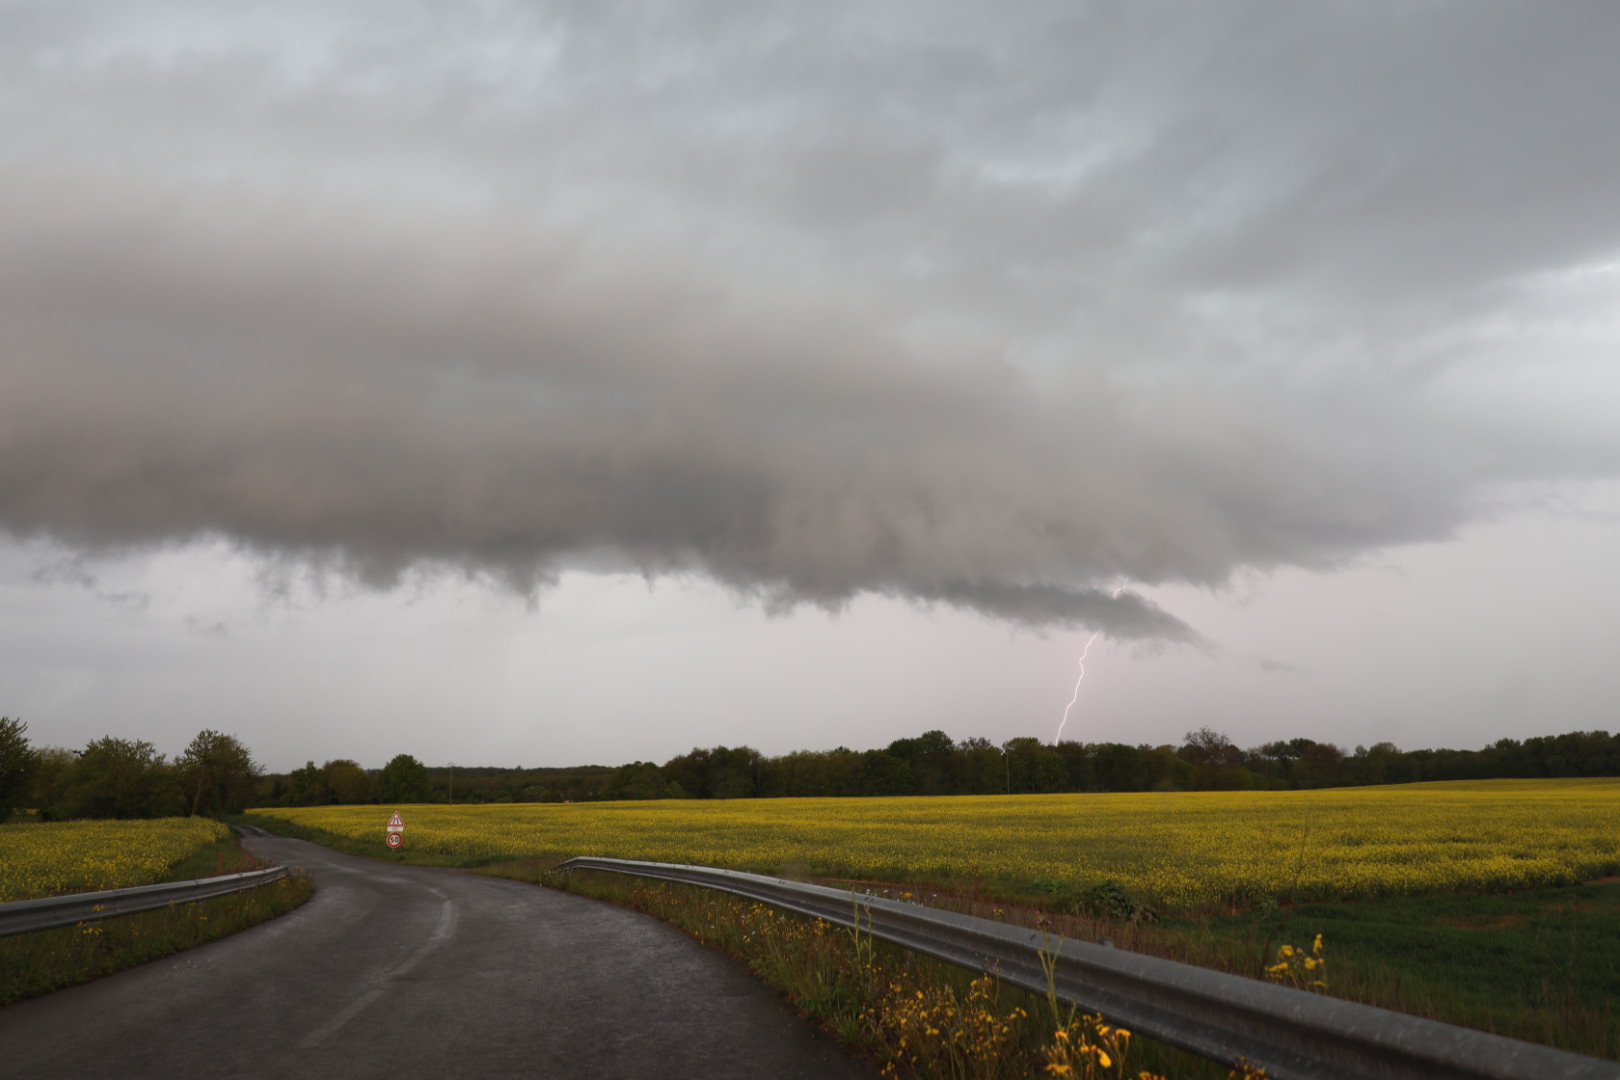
(988, 316)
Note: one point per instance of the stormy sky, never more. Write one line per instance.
(538, 384)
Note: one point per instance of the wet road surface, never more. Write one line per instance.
(403, 972)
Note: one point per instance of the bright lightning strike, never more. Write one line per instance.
(1094, 635)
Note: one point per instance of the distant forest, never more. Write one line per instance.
(216, 774)
(934, 764)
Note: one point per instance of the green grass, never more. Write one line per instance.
(910, 1013)
(1542, 965)
(221, 857)
(45, 960)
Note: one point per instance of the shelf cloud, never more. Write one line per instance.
(803, 300)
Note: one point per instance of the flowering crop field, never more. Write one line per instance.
(1177, 849)
(47, 858)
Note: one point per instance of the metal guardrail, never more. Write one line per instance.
(1292, 1034)
(23, 916)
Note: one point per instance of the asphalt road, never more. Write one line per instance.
(402, 972)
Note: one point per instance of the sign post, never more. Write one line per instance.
(396, 830)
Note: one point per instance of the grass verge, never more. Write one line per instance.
(221, 857)
(1541, 965)
(917, 1017)
(45, 960)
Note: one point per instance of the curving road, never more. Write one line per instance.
(402, 972)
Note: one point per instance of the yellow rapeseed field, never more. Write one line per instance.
(1177, 849)
(46, 858)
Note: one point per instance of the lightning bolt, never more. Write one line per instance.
(1094, 635)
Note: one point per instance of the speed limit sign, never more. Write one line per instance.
(395, 839)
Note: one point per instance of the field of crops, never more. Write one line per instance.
(46, 858)
(1175, 849)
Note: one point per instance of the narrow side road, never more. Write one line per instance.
(403, 972)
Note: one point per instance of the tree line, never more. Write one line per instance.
(216, 774)
(935, 764)
(124, 778)
(932, 764)
(405, 780)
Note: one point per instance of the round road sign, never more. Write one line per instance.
(395, 839)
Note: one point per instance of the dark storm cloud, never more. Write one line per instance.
(817, 303)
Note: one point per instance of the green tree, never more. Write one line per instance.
(49, 788)
(403, 780)
(1050, 771)
(1382, 763)
(733, 773)
(1021, 764)
(984, 769)
(637, 780)
(18, 764)
(307, 787)
(1217, 764)
(218, 774)
(271, 789)
(117, 778)
(1319, 765)
(801, 772)
(346, 782)
(885, 774)
(930, 757)
(1163, 769)
(1119, 767)
(690, 772)
(1076, 766)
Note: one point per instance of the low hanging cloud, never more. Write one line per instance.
(336, 303)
